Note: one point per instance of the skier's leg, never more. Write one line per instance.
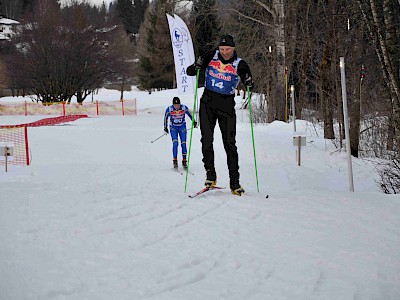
(183, 137)
(208, 121)
(227, 124)
(174, 136)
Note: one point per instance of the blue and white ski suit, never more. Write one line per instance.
(177, 127)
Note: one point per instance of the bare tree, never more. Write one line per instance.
(11, 8)
(60, 55)
(384, 33)
(3, 75)
(260, 27)
(390, 176)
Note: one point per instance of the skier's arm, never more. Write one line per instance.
(188, 112)
(166, 116)
(201, 63)
(191, 117)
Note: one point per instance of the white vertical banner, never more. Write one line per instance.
(187, 39)
(182, 47)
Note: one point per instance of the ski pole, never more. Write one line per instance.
(252, 135)
(191, 132)
(159, 137)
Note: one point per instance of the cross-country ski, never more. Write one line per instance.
(204, 190)
(182, 171)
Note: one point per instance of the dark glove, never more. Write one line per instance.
(166, 130)
(195, 124)
(248, 81)
(199, 63)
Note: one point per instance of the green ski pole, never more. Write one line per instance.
(191, 132)
(252, 134)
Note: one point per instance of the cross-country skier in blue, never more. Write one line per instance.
(176, 112)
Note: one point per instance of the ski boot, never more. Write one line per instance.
(211, 180)
(175, 162)
(184, 164)
(236, 189)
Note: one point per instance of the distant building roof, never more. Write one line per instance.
(8, 21)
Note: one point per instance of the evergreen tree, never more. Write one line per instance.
(27, 5)
(205, 28)
(126, 13)
(132, 14)
(11, 8)
(156, 61)
(138, 13)
(205, 25)
(112, 8)
(103, 10)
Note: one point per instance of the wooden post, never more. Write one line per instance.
(6, 154)
(26, 145)
(298, 151)
(293, 107)
(135, 106)
(299, 140)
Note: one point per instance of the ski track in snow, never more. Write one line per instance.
(100, 215)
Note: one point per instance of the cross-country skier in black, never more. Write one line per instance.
(224, 69)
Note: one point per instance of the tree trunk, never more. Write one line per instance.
(279, 29)
(387, 60)
(326, 94)
(355, 119)
(79, 96)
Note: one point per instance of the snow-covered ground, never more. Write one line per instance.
(99, 214)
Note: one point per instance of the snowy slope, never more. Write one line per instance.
(100, 215)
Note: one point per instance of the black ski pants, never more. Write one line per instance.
(216, 107)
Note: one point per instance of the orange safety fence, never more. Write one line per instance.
(17, 136)
(97, 108)
(47, 121)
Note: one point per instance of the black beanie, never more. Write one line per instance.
(176, 100)
(227, 40)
